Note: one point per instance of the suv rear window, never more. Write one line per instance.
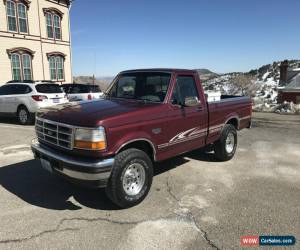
(66, 87)
(48, 88)
(94, 89)
(79, 89)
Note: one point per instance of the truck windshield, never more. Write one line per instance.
(147, 86)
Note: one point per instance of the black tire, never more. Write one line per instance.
(115, 189)
(221, 152)
(24, 116)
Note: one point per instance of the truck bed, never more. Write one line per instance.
(236, 109)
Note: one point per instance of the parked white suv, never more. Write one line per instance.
(23, 99)
(82, 92)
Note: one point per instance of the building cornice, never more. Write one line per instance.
(60, 2)
(26, 2)
(56, 53)
(53, 10)
(20, 50)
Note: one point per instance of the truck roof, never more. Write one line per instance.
(167, 70)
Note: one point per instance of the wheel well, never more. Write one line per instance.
(141, 145)
(21, 106)
(234, 122)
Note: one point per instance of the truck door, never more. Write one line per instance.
(187, 117)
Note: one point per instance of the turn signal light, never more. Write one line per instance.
(90, 145)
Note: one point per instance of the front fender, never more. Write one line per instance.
(132, 137)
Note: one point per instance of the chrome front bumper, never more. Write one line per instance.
(80, 169)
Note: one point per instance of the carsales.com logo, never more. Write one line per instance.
(253, 241)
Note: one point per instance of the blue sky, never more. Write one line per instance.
(224, 36)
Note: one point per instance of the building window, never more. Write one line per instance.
(16, 17)
(53, 22)
(57, 27)
(49, 25)
(11, 16)
(16, 66)
(21, 66)
(22, 15)
(56, 64)
(27, 73)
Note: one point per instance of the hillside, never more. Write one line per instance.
(206, 74)
(103, 82)
(263, 87)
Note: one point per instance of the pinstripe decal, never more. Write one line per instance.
(194, 133)
(184, 136)
(245, 117)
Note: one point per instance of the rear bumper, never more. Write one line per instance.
(89, 172)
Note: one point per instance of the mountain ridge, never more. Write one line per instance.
(212, 80)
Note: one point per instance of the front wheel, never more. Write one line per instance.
(225, 147)
(131, 178)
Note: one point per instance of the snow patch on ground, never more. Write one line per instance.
(283, 108)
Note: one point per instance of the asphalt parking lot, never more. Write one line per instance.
(195, 202)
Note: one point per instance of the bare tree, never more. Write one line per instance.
(245, 84)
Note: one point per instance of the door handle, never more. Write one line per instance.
(199, 109)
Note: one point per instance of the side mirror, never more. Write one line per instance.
(191, 101)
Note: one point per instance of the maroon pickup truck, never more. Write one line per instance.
(146, 116)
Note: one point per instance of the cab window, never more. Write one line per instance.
(185, 89)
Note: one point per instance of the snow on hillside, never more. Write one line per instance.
(265, 85)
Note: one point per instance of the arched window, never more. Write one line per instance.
(16, 66)
(21, 66)
(17, 16)
(53, 23)
(56, 64)
(26, 62)
(21, 63)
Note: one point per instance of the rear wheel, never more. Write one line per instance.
(131, 178)
(24, 116)
(225, 147)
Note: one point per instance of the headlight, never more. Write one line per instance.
(91, 139)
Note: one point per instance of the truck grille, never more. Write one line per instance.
(54, 133)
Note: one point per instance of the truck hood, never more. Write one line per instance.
(90, 113)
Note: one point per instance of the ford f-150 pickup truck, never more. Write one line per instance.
(146, 116)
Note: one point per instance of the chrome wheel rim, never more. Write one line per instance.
(230, 141)
(23, 116)
(133, 179)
